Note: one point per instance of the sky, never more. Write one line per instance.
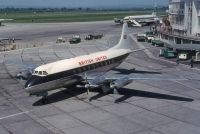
(82, 3)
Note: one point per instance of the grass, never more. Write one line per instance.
(73, 16)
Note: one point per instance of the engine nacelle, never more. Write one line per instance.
(120, 83)
(98, 80)
(23, 75)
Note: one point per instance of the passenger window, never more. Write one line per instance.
(88, 67)
(93, 66)
(102, 63)
(83, 69)
(79, 70)
(105, 63)
(97, 65)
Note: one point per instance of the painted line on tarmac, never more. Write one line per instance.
(13, 115)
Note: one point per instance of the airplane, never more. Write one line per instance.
(142, 20)
(87, 71)
(118, 20)
(2, 20)
(8, 40)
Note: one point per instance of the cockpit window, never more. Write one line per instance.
(40, 73)
(45, 73)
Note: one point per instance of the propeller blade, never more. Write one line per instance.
(88, 91)
(115, 91)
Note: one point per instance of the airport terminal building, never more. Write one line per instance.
(184, 16)
(184, 22)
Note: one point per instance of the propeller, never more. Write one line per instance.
(113, 86)
(87, 83)
(115, 91)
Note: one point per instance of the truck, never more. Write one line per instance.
(196, 58)
(168, 53)
(157, 43)
(141, 37)
(60, 40)
(150, 38)
(75, 39)
(183, 56)
(89, 37)
(93, 36)
(97, 36)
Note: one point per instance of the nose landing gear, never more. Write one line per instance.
(44, 97)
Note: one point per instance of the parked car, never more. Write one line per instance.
(168, 53)
(157, 43)
(97, 36)
(141, 37)
(89, 37)
(60, 40)
(75, 39)
(150, 38)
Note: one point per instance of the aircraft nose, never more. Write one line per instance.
(29, 84)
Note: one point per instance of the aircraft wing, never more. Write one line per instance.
(142, 49)
(1, 20)
(2, 39)
(157, 77)
(113, 82)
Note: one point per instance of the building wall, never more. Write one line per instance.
(184, 16)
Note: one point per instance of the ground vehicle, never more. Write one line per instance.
(150, 38)
(89, 37)
(118, 21)
(157, 43)
(76, 39)
(148, 33)
(141, 37)
(97, 36)
(60, 40)
(183, 56)
(196, 57)
(168, 53)
(93, 36)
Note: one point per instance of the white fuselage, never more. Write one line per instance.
(68, 72)
(140, 19)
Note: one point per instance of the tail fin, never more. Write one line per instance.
(154, 13)
(125, 40)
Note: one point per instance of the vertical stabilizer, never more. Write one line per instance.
(155, 8)
(125, 40)
(154, 13)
